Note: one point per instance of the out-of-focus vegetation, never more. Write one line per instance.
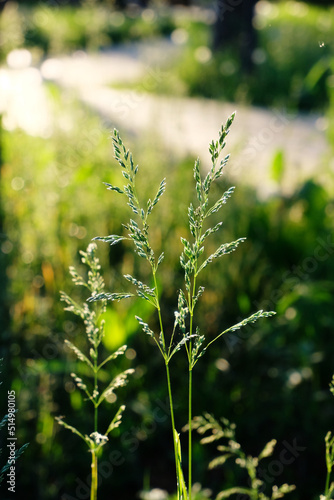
(290, 63)
(51, 30)
(271, 380)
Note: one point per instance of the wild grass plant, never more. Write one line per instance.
(92, 317)
(185, 334)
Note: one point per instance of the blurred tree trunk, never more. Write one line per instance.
(234, 27)
(2, 5)
(187, 3)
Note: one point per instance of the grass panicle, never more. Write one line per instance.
(92, 316)
(193, 259)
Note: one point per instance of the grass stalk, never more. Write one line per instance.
(172, 417)
(327, 483)
(190, 431)
(190, 378)
(193, 264)
(169, 385)
(94, 481)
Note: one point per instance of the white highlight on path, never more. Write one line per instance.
(23, 99)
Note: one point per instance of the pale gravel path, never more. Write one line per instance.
(24, 102)
(185, 126)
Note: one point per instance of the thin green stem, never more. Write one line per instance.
(170, 395)
(93, 489)
(252, 474)
(327, 483)
(95, 395)
(95, 417)
(157, 305)
(171, 407)
(190, 432)
(171, 343)
(94, 454)
(190, 385)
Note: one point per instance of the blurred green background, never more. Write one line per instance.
(272, 379)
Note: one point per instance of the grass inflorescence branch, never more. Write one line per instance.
(224, 432)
